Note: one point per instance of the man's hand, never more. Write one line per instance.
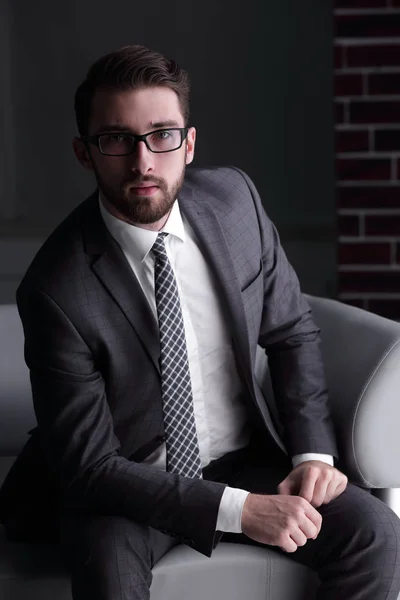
(315, 481)
(284, 521)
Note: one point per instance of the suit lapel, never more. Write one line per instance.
(196, 205)
(113, 270)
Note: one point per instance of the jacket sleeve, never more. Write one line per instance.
(291, 340)
(80, 445)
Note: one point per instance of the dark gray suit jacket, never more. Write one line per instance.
(92, 347)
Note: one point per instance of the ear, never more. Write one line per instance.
(82, 153)
(191, 141)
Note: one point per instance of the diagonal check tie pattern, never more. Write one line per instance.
(183, 454)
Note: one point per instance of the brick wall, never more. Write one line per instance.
(367, 99)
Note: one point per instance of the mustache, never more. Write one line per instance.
(140, 180)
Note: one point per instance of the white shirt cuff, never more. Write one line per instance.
(299, 458)
(230, 510)
(233, 499)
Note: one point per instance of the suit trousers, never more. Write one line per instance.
(356, 554)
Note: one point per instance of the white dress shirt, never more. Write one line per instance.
(221, 417)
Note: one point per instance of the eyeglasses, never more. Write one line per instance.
(121, 144)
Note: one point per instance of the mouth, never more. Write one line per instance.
(144, 190)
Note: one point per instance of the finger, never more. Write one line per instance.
(308, 528)
(298, 536)
(308, 482)
(288, 545)
(340, 489)
(285, 487)
(335, 488)
(321, 487)
(331, 492)
(314, 516)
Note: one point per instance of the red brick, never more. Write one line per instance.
(352, 141)
(382, 225)
(369, 281)
(384, 83)
(339, 112)
(386, 308)
(364, 253)
(359, 3)
(368, 197)
(375, 111)
(348, 225)
(368, 25)
(387, 140)
(373, 56)
(348, 85)
(359, 169)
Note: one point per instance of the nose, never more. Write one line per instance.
(142, 159)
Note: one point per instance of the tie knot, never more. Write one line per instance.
(158, 247)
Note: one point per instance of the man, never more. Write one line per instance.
(142, 313)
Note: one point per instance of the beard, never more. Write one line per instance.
(141, 210)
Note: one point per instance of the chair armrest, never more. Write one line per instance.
(361, 354)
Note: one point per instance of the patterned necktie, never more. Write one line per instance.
(183, 454)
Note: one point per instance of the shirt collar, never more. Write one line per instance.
(136, 239)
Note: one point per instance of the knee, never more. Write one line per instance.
(118, 535)
(100, 542)
(371, 524)
(107, 557)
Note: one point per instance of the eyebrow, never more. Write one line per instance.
(151, 125)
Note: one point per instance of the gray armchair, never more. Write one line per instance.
(362, 358)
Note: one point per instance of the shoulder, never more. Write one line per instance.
(230, 192)
(61, 255)
(226, 179)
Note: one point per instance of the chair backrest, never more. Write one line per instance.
(361, 352)
(16, 409)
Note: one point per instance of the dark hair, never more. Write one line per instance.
(128, 68)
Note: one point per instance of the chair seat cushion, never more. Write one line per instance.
(234, 572)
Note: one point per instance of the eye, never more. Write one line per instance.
(163, 135)
(117, 137)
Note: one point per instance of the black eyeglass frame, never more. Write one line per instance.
(94, 139)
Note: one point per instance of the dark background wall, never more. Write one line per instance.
(261, 100)
(367, 89)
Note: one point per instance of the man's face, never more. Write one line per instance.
(118, 177)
